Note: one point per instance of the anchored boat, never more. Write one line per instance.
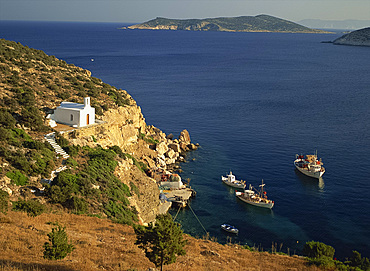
(229, 228)
(231, 181)
(255, 197)
(309, 165)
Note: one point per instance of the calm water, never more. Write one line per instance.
(252, 101)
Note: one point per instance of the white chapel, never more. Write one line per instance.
(75, 114)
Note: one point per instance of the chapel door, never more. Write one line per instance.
(88, 119)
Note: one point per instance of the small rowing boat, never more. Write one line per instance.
(229, 228)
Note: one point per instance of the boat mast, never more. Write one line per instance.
(261, 192)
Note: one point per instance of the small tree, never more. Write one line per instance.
(58, 247)
(162, 242)
(358, 262)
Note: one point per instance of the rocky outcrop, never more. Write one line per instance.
(126, 128)
(117, 127)
(357, 38)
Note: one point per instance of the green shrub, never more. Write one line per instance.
(72, 150)
(5, 134)
(68, 184)
(149, 140)
(17, 177)
(357, 261)
(32, 207)
(70, 162)
(58, 246)
(118, 151)
(119, 213)
(64, 95)
(317, 250)
(20, 133)
(31, 117)
(62, 141)
(4, 200)
(6, 119)
(78, 205)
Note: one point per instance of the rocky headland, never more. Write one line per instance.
(259, 23)
(32, 85)
(359, 37)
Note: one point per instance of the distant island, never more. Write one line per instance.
(259, 23)
(359, 37)
(335, 24)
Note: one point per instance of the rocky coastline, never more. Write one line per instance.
(125, 127)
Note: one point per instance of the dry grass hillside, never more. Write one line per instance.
(103, 245)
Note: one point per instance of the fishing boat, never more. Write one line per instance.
(309, 165)
(229, 228)
(232, 181)
(255, 197)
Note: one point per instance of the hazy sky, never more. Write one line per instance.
(132, 11)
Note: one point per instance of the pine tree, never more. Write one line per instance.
(162, 242)
(58, 248)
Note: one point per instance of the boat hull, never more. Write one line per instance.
(235, 185)
(267, 205)
(312, 174)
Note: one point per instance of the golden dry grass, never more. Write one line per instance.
(103, 245)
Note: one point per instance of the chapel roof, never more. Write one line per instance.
(71, 105)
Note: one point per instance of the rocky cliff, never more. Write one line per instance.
(125, 127)
(357, 38)
(32, 85)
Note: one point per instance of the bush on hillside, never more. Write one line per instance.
(4, 201)
(314, 249)
(17, 177)
(74, 189)
(58, 246)
(31, 207)
(356, 261)
(6, 119)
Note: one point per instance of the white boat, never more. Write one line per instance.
(309, 165)
(231, 181)
(255, 197)
(229, 228)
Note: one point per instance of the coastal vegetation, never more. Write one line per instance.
(259, 23)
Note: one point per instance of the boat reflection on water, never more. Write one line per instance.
(311, 182)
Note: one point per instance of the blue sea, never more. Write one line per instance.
(252, 101)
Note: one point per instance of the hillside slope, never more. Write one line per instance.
(259, 23)
(106, 173)
(103, 245)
